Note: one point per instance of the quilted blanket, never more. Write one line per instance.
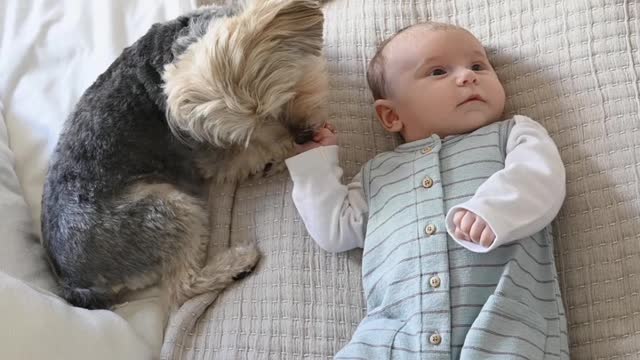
(572, 65)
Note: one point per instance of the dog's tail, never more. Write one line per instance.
(88, 298)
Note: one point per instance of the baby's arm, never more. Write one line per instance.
(334, 214)
(525, 196)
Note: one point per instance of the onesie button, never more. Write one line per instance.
(427, 150)
(434, 281)
(435, 339)
(430, 229)
(427, 182)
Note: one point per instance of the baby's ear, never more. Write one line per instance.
(387, 115)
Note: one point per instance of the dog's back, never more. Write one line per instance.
(122, 203)
(97, 228)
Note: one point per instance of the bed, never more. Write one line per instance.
(573, 66)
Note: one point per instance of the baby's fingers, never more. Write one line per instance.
(487, 237)
(325, 137)
(329, 126)
(457, 217)
(467, 222)
(476, 230)
(460, 235)
(321, 134)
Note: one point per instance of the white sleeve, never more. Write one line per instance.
(526, 195)
(334, 214)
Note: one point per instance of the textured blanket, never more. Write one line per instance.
(572, 65)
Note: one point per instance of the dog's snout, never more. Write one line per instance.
(267, 167)
(304, 136)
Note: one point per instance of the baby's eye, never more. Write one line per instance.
(477, 67)
(438, 72)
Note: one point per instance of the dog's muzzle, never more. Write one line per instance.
(303, 136)
(267, 168)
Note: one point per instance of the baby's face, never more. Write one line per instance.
(441, 83)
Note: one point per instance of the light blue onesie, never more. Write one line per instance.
(430, 298)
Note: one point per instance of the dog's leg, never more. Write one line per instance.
(184, 272)
(185, 239)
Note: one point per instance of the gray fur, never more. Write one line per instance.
(123, 203)
(117, 135)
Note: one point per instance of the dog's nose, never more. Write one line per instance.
(303, 136)
(267, 167)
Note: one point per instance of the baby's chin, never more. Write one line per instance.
(460, 124)
(475, 120)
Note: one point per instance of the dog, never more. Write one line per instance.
(217, 95)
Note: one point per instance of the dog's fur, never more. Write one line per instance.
(213, 95)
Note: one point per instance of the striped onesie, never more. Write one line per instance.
(428, 294)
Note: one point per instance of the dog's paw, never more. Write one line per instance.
(274, 168)
(245, 260)
(244, 274)
(247, 255)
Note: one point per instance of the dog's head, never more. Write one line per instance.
(253, 84)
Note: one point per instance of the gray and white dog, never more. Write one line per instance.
(216, 95)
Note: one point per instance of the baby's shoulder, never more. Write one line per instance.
(519, 119)
(491, 132)
(384, 161)
(380, 158)
(525, 123)
(504, 127)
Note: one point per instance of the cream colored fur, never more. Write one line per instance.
(243, 92)
(249, 85)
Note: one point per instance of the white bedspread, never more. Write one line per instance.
(50, 52)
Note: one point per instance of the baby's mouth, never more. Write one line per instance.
(472, 98)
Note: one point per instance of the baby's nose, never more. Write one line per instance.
(467, 77)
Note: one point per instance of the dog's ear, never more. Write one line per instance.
(243, 72)
(294, 25)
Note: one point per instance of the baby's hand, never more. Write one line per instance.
(471, 227)
(325, 136)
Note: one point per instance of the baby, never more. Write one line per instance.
(457, 256)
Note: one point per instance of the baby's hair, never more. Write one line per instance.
(375, 70)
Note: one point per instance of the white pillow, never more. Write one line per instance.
(22, 256)
(50, 52)
(38, 325)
